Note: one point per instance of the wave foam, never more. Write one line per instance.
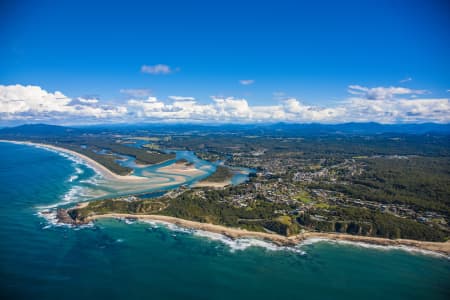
(78, 172)
(241, 244)
(412, 250)
(51, 220)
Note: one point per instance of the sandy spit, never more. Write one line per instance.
(105, 172)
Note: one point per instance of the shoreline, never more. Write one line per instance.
(99, 168)
(212, 184)
(442, 248)
(108, 174)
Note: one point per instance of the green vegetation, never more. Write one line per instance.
(142, 156)
(220, 175)
(303, 197)
(211, 208)
(394, 185)
(107, 160)
(106, 152)
(422, 182)
(147, 206)
(363, 221)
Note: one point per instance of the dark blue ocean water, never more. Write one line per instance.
(114, 260)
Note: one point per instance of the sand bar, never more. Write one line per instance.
(182, 169)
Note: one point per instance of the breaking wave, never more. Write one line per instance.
(412, 250)
(239, 244)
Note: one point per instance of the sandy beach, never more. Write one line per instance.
(105, 172)
(437, 247)
(155, 180)
(227, 231)
(217, 185)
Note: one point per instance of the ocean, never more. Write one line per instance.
(123, 260)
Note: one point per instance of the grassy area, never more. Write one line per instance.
(303, 197)
(322, 205)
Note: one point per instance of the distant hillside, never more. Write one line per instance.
(364, 128)
(37, 130)
(277, 129)
(282, 129)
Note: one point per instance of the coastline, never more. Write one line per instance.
(154, 180)
(436, 247)
(105, 172)
(442, 248)
(234, 233)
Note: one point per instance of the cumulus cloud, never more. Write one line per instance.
(246, 81)
(379, 93)
(379, 104)
(391, 105)
(230, 109)
(18, 102)
(136, 92)
(398, 110)
(156, 69)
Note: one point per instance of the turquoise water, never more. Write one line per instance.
(170, 179)
(114, 260)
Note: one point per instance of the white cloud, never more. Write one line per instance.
(33, 102)
(83, 100)
(398, 110)
(136, 92)
(229, 109)
(389, 105)
(181, 98)
(407, 79)
(156, 69)
(380, 104)
(379, 93)
(246, 81)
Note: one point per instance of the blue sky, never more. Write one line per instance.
(311, 51)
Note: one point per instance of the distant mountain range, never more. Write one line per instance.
(281, 129)
(38, 130)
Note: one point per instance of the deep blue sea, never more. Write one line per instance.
(115, 260)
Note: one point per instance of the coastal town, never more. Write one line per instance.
(287, 186)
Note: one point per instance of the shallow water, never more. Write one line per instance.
(115, 260)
